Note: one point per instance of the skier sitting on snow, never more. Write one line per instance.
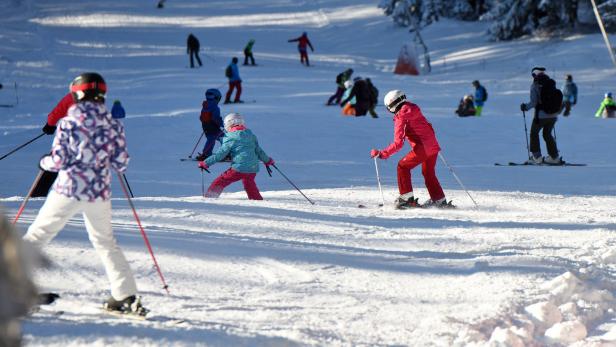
(348, 109)
(607, 108)
(363, 97)
(242, 145)
(89, 144)
(410, 123)
(465, 108)
(211, 122)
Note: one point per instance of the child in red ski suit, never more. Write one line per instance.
(411, 124)
(242, 145)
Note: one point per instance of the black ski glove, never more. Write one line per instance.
(523, 107)
(49, 129)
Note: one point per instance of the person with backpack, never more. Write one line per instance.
(248, 53)
(362, 94)
(410, 124)
(302, 43)
(192, 48)
(607, 109)
(481, 96)
(374, 95)
(232, 72)
(547, 100)
(88, 145)
(340, 79)
(242, 146)
(211, 122)
(570, 92)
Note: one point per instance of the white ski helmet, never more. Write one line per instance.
(233, 119)
(393, 99)
(348, 84)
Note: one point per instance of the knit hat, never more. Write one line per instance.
(537, 70)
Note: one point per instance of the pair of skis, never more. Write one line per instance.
(564, 163)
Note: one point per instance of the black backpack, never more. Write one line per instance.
(551, 97)
(339, 79)
(228, 72)
(485, 94)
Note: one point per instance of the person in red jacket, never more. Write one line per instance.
(302, 42)
(411, 124)
(58, 113)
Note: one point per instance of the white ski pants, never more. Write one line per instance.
(56, 212)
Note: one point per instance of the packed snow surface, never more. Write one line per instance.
(533, 264)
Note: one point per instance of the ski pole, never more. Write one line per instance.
(202, 184)
(145, 237)
(196, 144)
(22, 146)
(526, 134)
(128, 185)
(294, 186)
(23, 204)
(456, 177)
(378, 180)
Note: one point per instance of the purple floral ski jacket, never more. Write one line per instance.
(88, 143)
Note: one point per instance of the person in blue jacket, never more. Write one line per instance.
(211, 122)
(117, 111)
(481, 95)
(242, 146)
(233, 74)
(570, 92)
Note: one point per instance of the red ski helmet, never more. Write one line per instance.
(88, 86)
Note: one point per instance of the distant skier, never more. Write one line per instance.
(242, 145)
(192, 48)
(348, 109)
(374, 95)
(211, 122)
(302, 43)
(117, 111)
(232, 72)
(410, 123)
(340, 79)
(466, 108)
(547, 100)
(570, 93)
(481, 96)
(362, 94)
(248, 53)
(607, 109)
(89, 144)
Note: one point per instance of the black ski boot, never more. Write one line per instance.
(402, 204)
(130, 305)
(200, 157)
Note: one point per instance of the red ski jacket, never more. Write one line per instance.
(60, 110)
(409, 122)
(302, 42)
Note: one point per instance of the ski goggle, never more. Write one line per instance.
(89, 86)
(391, 106)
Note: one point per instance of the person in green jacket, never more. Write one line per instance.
(607, 108)
(242, 146)
(248, 53)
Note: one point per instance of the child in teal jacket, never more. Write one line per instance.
(242, 146)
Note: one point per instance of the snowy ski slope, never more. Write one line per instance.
(282, 272)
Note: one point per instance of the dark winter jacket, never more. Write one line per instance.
(535, 99)
(374, 93)
(192, 44)
(361, 92)
(466, 108)
(343, 77)
(210, 117)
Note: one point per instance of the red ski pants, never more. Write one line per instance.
(230, 176)
(233, 85)
(303, 56)
(428, 163)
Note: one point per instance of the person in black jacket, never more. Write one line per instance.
(192, 48)
(374, 93)
(363, 97)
